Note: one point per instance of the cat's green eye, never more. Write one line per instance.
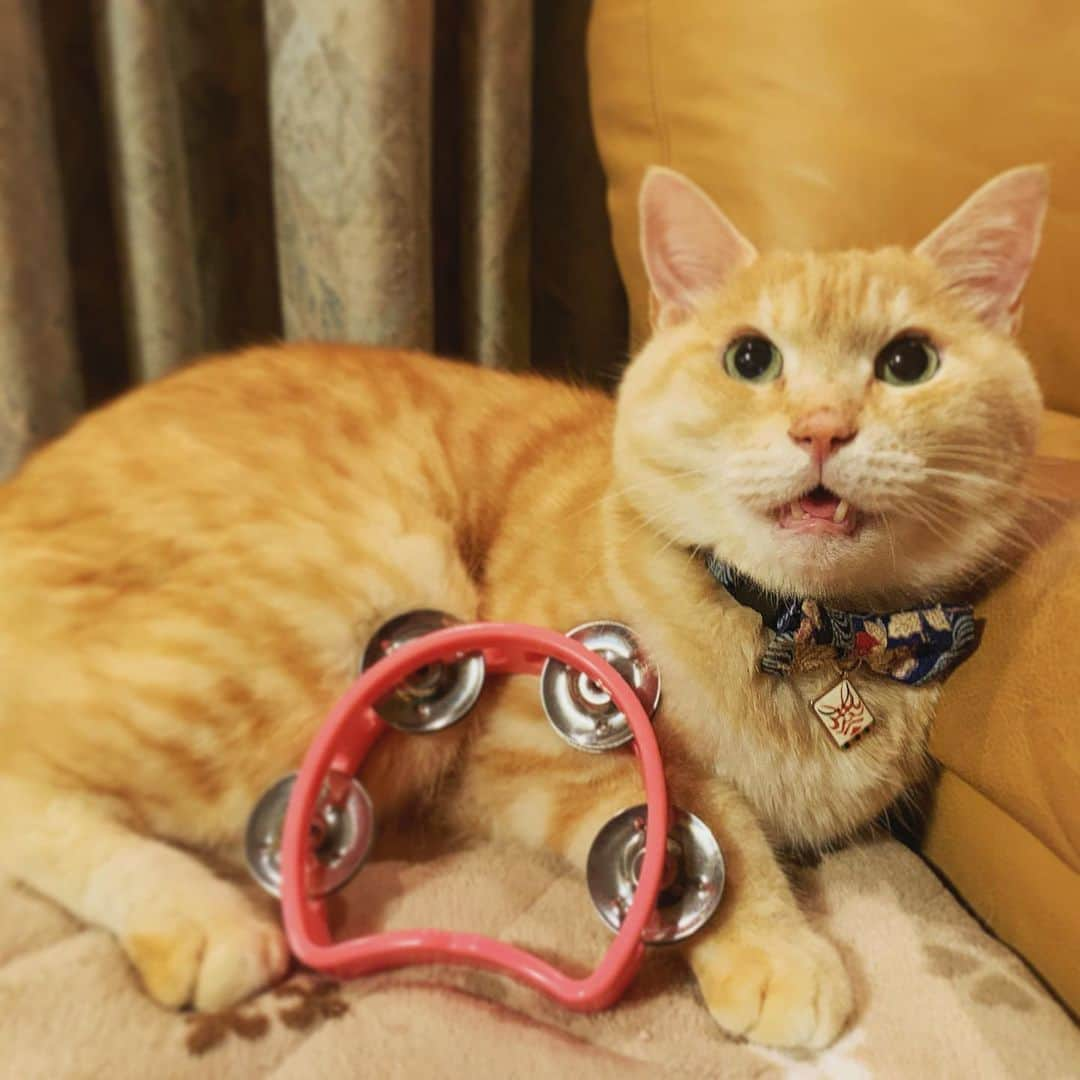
(753, 358)
(906, 361)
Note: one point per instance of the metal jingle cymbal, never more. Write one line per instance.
(691, 887)
(435, 696)
(581, 710)
(342, 831)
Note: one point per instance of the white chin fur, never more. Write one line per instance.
(790, 562)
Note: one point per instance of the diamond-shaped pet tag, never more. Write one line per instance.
(844, 714)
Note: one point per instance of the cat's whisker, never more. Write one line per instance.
(891, 539)
(1009, 531)
(974, 493)
(986, 558)
(1046, 504)
(650, 481)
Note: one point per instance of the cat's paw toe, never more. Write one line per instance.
(238, 961)
(787, 989)
(211, 962)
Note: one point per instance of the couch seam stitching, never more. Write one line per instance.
(654, 92)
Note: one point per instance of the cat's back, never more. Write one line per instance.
(301, 422)
(266, 461)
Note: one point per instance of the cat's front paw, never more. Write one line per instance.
(210, 960)
(785, 987)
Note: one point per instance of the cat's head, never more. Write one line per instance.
(845, 425)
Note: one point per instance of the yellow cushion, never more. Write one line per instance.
(842, 123)
(1007, 723)
(1016, 884)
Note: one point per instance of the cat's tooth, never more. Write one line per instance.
(841, 511)
(797, 512)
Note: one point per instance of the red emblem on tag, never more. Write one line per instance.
(843, 713)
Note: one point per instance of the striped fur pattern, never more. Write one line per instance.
(188, 577)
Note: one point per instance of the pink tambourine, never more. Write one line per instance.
(422, 672)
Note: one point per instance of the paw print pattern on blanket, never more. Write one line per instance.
(990, 988)
(310, 1002)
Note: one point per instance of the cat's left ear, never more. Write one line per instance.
(689, 247)
(986, 249)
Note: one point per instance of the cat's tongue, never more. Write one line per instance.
(819, 513)
(820, 503)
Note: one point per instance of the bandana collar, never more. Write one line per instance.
(914, 646)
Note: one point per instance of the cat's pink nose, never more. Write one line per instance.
(822, 432)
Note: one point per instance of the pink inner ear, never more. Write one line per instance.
(688, 245)
(986, 249)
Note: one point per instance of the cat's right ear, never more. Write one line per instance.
(986, 249)
(688, 246)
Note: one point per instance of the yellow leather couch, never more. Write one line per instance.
(834, 123)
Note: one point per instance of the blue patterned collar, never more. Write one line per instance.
(913, 646)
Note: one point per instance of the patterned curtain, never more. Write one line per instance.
(181, 176)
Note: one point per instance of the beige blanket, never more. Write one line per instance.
(937, 996)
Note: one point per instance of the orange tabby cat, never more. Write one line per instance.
(188, 577)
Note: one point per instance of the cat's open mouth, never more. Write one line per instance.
(819, 512)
